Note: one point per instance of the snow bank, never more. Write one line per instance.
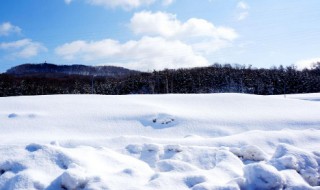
(198, 142)
(183, 167)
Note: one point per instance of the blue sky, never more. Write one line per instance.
(157, 34)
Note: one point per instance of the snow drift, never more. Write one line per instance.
(198, 142)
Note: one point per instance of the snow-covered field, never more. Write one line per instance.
(169, 142)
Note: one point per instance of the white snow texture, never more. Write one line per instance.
(146, 142)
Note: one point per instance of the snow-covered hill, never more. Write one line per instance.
(212, 141)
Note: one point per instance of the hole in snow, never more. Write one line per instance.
(155, 176)
(128, 171)
(2, 171)
(159, 121)
(33, 147)
(31, 115)
(173, 148)
(194, 180)
(12, 166)
(12, 115)
(134, 149)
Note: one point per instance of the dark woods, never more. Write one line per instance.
(214, 79)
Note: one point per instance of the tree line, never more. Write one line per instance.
(213, 79)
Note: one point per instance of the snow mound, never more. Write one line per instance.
(263, 176)
(33, 167)
(174, 165)
(294, 180)
(154, 166)
(305, 163)
(74, 178)
(191, 181)
(10, 166)
(250, 153)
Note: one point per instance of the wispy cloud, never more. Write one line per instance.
(125, 4)
(7, 28)
(242, 5)
(25, 48)
(242, 11)
(67, 1)
(242, 15)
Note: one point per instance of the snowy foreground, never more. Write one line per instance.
(169, 142)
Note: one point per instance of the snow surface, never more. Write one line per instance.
(198, 142)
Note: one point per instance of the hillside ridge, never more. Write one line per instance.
(32, 69)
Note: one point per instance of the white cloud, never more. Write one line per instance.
(7, 28)
(67, 1)
(242, 15)
(165, 42)
(307, 63)
(167, 2)
(242, 5)
(211, 46)
(25, 48)
(145, 54)
(243, 11)
(167, 25)
(125, 4)
(201, 34)
(155, 24)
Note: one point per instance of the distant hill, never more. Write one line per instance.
(52, 70)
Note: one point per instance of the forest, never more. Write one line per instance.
(216, 78)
